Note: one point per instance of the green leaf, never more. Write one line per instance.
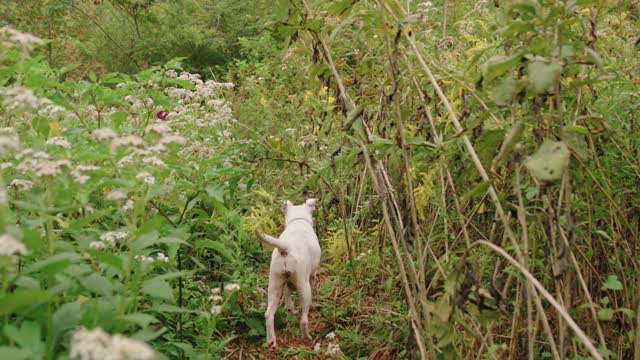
(28, 336)
(542, 75)
(503, 91)
(612, 283)
(549, 162)
(21, 298)
(107, 258)
(12, 353)
(574, 136)
(476, 191)
(218, 247)
(140, 319)
(53, 264)
(498, 65)
(66, 317)
(605, 314)
(97, 284)
(158, 288)
(216, 192)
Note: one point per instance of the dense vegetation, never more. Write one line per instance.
(476, 165)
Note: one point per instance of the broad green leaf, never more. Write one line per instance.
(21, 298)
(218, 247)
(549, 162)
(108, 258)
(503, 91)
(158, 288)
(542, 75)
(574, 136)
(66, 317)
(98, 284)
(605, 314)
(7, 352)
(612, 283)
(53, 264)
(498, 65)
(28, 336)
(140, 319)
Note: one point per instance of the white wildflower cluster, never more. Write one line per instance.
(116, 195)
(59, 141)
(98, 345)
(199, 150)
(332, 349)
(203, 99)
(9, 140)
(20, 184)
(109, 239)
(10, 246)
(425, 7)
(128, 141)
(362, 255)
(216, 299)
(231, 287)
(146, 178)
(148, 259)
(41, 164)
(21, 99)
(128, 205)
(78, 173)
(102, 134)
(6, 165)
(10, 37)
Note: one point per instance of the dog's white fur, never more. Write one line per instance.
(294, 261)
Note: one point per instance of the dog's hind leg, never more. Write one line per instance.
(276, 283)
(288, 299)
(304, 291)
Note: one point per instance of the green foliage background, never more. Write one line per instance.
(546, 96)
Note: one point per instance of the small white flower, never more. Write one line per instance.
(153, 160)
(97, 245)
(172, 139)
(11, 246)
(97, 345)
(116, 195)
(215, 298)
(162, 257)
(231, 287)
(8, 143)
(215, 290)
(160, 128)
(104, 134)
(21, 184)
(144, 259)
(5, 165)
(333, 349)
(127, 140)
(330, 336)
(216, 309)
(59, 141)
(111, 237)
(146, 177)
(129, 205)
(317, 347)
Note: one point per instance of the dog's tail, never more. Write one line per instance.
(275, 242)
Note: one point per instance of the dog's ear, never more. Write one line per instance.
(286, 205)
(311, 203)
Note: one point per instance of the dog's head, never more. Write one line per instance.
(303, 211)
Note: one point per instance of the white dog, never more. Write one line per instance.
(294, 262)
